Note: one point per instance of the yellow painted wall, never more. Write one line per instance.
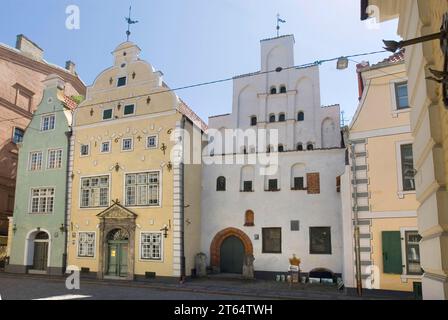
(390, 281)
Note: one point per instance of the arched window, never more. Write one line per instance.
(249, 218)
(299, 146)
(41, 236)
(309, 146)
(283, 89)
(221, 184)
(253, 121)
(281, 148)
(273, 90)
(281, 117)
(300, 116)
(272, 118)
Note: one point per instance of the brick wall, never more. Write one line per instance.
(313, 183)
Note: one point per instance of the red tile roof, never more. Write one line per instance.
(71, 104)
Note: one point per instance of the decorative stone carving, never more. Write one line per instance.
(248, 266)
(201, 264)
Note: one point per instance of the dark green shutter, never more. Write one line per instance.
(392, 262)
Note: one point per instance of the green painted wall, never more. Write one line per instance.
(36, 140)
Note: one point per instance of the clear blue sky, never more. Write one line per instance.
(201, 40)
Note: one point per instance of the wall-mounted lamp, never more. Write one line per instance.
(62, 227)
(165, 231)
(148, 100)
(169, 166)
(163, 147)
(14, 228)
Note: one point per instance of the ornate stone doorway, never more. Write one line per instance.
(117, 242)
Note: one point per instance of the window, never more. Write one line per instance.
(47, 122)
(299, 183)
(151, 142)
(42, 200)
(413, 253)
(401, 95)
(54, 160)
(338, 184)
(272, 240)
(151, 246)
(126, 144)
(107, 114)
(273, 185)
(272, 118)
(270, 149)
(86, 244)
(129, 110)
(320, 240)
(309, 146)
(95, 192)
(221, 184)
(249, 218)
(283, 89)
(282, 117)
(253, 121)
(35, 161)
(105, 147)
(407, 167)
(85, 149)
(300, 116)
(281, 148)
(142, 189)
(295, 225)
(299, 147)
(273, 90)
(18, 135)
(247, 186)
(121, 82)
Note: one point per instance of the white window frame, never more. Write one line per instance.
(122, 145)
(162, 237)
(78, 246)
(394, 103)
(404, 275)
(102, 114)
(14, 134)
(124, 108)
(48, 158)
(30, 202)
(110, 147)
(159, 205)
(400, 192)
(147, 140)
(42, 122)
(30, 157)
(80, 191)
(80, 150)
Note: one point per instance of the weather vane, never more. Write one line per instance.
(129, 21)
(278, 23)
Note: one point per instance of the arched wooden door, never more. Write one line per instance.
(232, 255)
(40, 256)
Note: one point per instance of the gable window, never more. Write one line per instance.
(283, 89)
(107, 114)
(18, 135)
(300, 116)
(273, 90)
(47, 122)
(401, 95)
(121, 81)
(95, 192)
(129, 110)
(85, 149)
(272, 240)
(253, 121)
(272, 118)
(299, 183)
(221, 184)
(35, 161)
(151, 142)
(407, 167)
(127, 144)
(413, 266)
(247, 186)
(320, 240)
(86, 244)
(151, 246)
(54, 160)
(282, 117)
(42, 200)
(273, 185)
(105, 147)
(142, 189)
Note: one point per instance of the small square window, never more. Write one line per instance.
(129, 110)
(85, 150)
(105, 147)
(151, 142)
(247, 186)
(107, 114)
(127, 144)
(121, 82)
(299, 183)
(18, 135)
(273, 185)
(253, 121)
(295, 225)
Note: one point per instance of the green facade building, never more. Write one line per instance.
(39, 222)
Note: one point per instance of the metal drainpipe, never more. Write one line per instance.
(182, 209)
(357, 233)
(67, 184)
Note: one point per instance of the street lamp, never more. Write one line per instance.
(342, 63)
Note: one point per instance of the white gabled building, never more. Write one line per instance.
(297, 210)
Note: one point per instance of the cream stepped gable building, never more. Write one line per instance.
(296, 210)
(378, 188)
(128, 198)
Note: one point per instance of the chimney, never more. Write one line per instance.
(29, 48)
(54, 81)
(70, 66)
